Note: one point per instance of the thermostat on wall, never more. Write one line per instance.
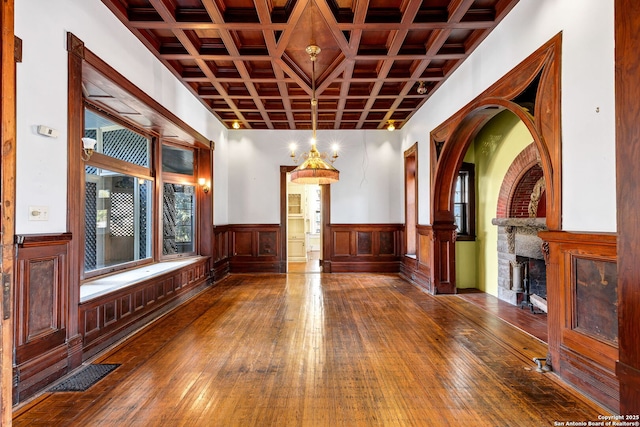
(47, 131)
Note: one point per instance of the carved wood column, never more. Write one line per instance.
(443, 272)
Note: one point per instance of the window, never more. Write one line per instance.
(146, 163)
(118, 197)
(178, 201)
(119, 189)
(464, 202)
(178, 204)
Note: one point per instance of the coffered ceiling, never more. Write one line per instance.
(246, 59)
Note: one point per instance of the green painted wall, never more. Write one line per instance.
(496, 146)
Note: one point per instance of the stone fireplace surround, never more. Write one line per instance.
(517, 238)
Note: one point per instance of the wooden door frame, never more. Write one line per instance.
(10, 52)
(325, 203)
(411, 152)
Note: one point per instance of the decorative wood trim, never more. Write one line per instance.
(7, 194)
(627, 91)
(255, 248)
(105, 69)
(450, 141)
(221, 257)
(41, 312)
(284, 170)
(107, 318)
(364, 247)
(586, 361)
(411, 215)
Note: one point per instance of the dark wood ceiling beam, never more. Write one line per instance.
(338, 35)
(344, 91)
(239, 26)
(264, 16)
(458, 8)
(244, 73)
(287, 31)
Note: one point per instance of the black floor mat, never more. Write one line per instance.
(85, 378)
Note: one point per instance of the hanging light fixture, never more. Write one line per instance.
(315, 169)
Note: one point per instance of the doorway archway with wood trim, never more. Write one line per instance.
(531, 91)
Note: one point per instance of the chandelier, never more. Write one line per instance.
(314, 169)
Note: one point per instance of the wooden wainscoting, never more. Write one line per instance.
(372, 248)
(416, 268)
(255, 248)
(221, 253)
(41, 345)
(582, 297)
(107, 318)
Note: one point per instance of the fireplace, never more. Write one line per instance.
(521, 267)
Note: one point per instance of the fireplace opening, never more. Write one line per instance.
(534, 284)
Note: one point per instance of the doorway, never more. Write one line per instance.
(303, 227)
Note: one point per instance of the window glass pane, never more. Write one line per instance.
(459, 217)
(115, 140)
(177, 160)
(117, 218)
(457, 195)
(178, 218)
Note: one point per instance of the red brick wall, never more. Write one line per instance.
(521, 164)
(521, 196)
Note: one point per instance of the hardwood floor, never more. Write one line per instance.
(320, 350)
(525, 319)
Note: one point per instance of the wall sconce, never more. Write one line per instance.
(88, 145)
(334, 147)
(391, 127)
(204, 184)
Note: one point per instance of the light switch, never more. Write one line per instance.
(38, 213)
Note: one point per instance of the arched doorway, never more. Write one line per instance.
(531, 92)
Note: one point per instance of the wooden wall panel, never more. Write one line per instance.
(363, 248)
(221, 252)
(417, 269)
(582, 317)
(364, 241)
(242, 243)
(341, 243)
(41, 312)
(255, 248)
(103, 320)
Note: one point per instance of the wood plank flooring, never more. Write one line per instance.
(320, 350)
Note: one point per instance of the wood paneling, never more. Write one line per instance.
(255, 248)
(221, 252)
(109, 317)
(363, 248)
(417, 269)
(627, 92)
(42, 312)
(10, 53)
(582, 317)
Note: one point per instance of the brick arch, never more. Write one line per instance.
(527, 159)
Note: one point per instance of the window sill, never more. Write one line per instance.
(104, 285)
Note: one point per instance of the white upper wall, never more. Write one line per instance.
(42, 96)
(371, 185)
(370, 189)
(588, 119)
